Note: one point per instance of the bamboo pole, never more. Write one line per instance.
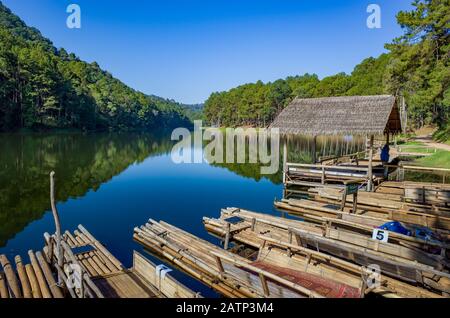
(26, 288)
(89, 256)
(59, 254)
(3, 288)
(191, 269)
(201, 254)
(39, 276)
(284, 160)
(370, 172)
(195, 256)
(84, 276)
(11, 277)
(97, 256)
(54, 288)
(101, 248)
(35, 289)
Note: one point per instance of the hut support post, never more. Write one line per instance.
(59, 254)
(386, 169)
(314, 146)
(284, 160)
(355, 202)
(284, 168)
(343, 199)
(370, 172)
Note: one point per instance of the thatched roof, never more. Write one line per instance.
(355, 115)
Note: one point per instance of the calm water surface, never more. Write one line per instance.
(111, 183)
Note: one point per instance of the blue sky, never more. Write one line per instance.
(188, 49)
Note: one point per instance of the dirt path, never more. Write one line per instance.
(428, 140)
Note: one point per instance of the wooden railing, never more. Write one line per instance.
(402, 168)
(351, 172)
(325, 170)
(354, 156)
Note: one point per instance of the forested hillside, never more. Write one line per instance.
(417, 67)
(194, 111)
(45, 87)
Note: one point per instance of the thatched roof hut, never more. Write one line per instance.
(349, 115)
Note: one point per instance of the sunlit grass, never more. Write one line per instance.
(441, 159)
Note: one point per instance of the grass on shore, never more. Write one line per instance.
(415, 147)
(441, 159)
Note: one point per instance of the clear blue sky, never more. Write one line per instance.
(187, 49)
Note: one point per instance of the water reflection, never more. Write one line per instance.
(81, 162)
(300, 150)
(84, 162)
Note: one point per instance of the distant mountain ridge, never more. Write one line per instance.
(45, 87)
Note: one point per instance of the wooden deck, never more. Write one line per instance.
(124, 284)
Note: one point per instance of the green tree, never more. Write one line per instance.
(419, 66)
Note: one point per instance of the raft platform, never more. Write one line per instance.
(88, 270)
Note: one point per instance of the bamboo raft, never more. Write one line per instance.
(32, 280)
(372, 217)
(101, 274)
(104, 276)
(230, 274)
(430, 194)
(381, 202)
(398, 262)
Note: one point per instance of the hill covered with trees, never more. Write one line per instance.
(45, 87)
(416, 67)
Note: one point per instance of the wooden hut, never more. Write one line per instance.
(341, 116)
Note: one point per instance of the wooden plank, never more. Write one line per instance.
(167, 285)
(122, 285)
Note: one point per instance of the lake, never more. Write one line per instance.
(111, 183)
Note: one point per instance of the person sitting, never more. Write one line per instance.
(385, 153)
